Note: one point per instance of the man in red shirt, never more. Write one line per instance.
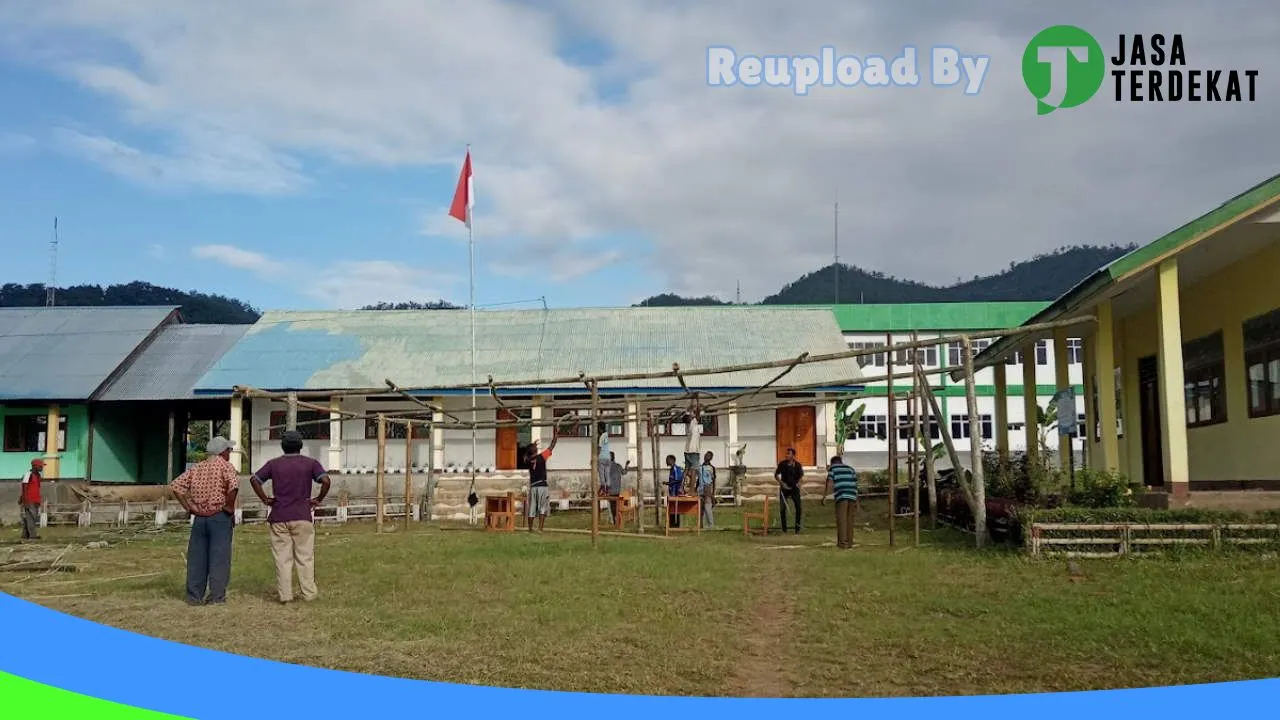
(29, 500)
(208, 493)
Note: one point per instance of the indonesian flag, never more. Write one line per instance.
(464, 198)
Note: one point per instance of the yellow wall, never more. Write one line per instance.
(1242, 448)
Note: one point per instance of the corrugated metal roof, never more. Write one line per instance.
(66, 353)
(885, 317)
(170, 367)
(359, 349)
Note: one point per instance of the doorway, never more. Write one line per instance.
(1149, 418)
(510, 440)
(797, 427)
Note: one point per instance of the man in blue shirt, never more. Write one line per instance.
(675, 487)
(707, 489)
(842, 483)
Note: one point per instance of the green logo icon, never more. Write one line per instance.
(1063, 66)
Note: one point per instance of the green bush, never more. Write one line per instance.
(1101, 489)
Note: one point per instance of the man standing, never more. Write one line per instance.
(293, 534)
(612, 485)
(675, 487)
(707, 489)
(539, 502)
(29, 500)
(208, 492)
(842, 483)
(788, 475)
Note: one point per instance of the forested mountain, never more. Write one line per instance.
(197, 307)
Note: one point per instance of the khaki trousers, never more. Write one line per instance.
(844, 523)
(293, 545)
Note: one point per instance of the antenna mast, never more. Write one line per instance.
(50, 287)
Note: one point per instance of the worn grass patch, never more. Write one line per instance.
(718, 614)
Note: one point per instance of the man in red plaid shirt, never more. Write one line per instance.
(208, 492)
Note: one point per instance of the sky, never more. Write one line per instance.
(303, 153)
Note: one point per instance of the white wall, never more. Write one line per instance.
(1044, 372)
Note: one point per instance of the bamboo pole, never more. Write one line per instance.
(657, 481)
(429, 489)
(914, 464)
(291, 413)
(946, 440)
(639, 474)
(1020, 331)
(930, 470)
(168, 470)
(382, 468)
(408, 473)
(595, 466)
(975, 447)
(893, 441)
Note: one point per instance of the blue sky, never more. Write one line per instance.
(303, 155)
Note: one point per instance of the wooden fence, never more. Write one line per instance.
(1118, 539)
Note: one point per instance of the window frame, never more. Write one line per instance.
(1261, 335)
(64, 426)
(1204, 364)
(320, 431)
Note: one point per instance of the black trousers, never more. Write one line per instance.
(209, 558)
(792, 494)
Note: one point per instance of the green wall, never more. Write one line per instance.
(72, 461)
(129, 443)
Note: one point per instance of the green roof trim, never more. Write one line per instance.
(957, 316)
(1244, 204)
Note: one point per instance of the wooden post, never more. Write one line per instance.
(946, 440)
(975, 446)
(893, 435)
(382, 466)
(291, 413)
(595, 465)
(914, 465)
(408, 471)
(169, 455)
(657, 481)
(429, 486)
(639, 474)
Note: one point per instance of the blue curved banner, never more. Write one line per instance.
(98, 662)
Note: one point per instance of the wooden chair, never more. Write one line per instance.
(762, 516)
(500, 513)
(626, 512)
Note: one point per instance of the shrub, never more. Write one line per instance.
(1101, 489)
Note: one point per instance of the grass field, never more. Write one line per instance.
(712, 615)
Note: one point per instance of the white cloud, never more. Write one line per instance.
(344, 284)
(722, 184)
(156, 252)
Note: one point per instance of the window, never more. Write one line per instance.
(926, 356)
(872, 427)
(1014, 358)
(1081, 430)
(955, 351)
(1203, 370)
(610, 419)
(309, 424)
(26, 433)
(876, 360)
(395, 430)
(1042, 352)
(960, 427)
(926, 423)
(1262, 363)
(679, 426)
(1075, 351)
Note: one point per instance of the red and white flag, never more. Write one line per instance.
(464, 198)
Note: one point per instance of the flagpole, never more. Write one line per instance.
(471, 261)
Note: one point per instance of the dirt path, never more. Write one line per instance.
(762, 669)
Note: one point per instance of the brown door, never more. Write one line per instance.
(797, 427)
(1149, 417)
(507, 439)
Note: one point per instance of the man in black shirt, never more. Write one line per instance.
(538, 503)
(788, 475)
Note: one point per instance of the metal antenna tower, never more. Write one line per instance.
(50, 287)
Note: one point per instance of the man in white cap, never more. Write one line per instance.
(208, 492)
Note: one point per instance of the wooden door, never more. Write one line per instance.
(1149, 416)
(797, 427)
(507, 441)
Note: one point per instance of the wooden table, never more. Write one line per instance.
(683, 505)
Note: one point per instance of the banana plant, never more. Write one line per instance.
(847, 420)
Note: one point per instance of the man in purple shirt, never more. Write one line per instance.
(293, 535)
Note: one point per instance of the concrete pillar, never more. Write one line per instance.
(633, 430)
(52, 466)
(1090, 411)
(1104, 359)
(335, 434)
(1002, 411)
(538, 432)
(236, 432)
(1030, 407)
(1062, 381)
(1173, 408)
(830, 421)
(437, 439)
(733, 432)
